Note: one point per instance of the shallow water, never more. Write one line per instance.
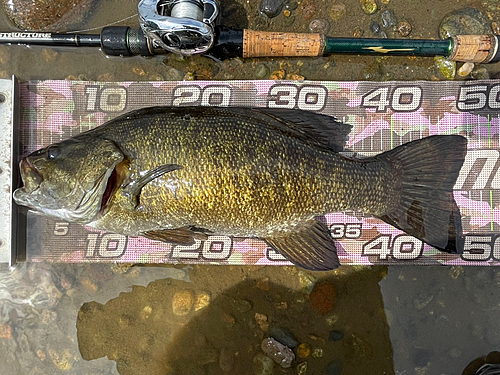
(109, 319)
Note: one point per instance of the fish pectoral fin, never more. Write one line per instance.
(133, 189)
(309, 246)
(180, 236)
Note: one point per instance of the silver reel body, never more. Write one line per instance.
(181, 26)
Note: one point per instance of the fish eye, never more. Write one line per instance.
(53, 152)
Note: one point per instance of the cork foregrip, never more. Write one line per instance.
(474, 48)
(270, 44)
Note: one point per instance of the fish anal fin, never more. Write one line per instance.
(309, 246)
(180, 236)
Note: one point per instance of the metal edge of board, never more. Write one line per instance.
(6, 151)
(18, 214)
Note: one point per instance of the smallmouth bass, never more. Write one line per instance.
(176, 174)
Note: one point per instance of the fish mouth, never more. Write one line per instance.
(32, 179)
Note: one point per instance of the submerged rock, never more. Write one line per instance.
(446, 67)
(278, 352)
(319, 25)
(40, 15)
(369, 6)
(465, 21)
(271, 8)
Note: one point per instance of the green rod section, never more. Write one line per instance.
(403, 47)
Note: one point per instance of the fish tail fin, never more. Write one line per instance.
(428, 169)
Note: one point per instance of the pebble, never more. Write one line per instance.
(202, 301)
(387, 19)
(495, 27)
(317, 353)
(480, 73)
(146, 312)
(263, 284)
(334, 367)
(5, 331)
(108, 77)
(421, 300)
(404, 28)
(291, 5)
(465, 69)
(4, 55)
(319, 25)
(261, 71)
(383, 34)
(261, 320)
(139, 71)
(63, 361)
(263, 365)
(308, 9)
(337, 11)
(331, 319)
(454, 352)
(278, 352)
(304, 350)
(89, 285)
(284, 336)
(446, 67)
(189, 76)
(174, 75)
(375, 27)
(358, 32)
(281, 305)
(295, 77)
(40, 354)
(323, 298)
(456, 271)
(369, 6)
(182, 302)
(49, 55)
(302, 368)
(277, 74)
(306, 281)
(242, 305)
(271, 8)
(335, 335)
(465, 21)
(226, 360)
(287, 13)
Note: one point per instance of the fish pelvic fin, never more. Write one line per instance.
(426, 171)
(309, 246)
(181, 236)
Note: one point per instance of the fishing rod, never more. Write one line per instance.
(189, 27)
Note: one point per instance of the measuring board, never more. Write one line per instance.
(383, 114)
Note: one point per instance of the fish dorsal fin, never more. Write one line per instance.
(181, 236)
(321, 131)
(133, 189)
(309, 246)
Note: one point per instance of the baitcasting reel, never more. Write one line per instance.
(179, 26)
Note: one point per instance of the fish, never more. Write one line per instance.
(178, 174)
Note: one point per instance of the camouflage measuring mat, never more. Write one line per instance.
(383, 114)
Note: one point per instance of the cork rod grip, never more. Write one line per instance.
(271, 44)
(475, 48)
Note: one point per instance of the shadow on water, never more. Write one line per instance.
(158, 330)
